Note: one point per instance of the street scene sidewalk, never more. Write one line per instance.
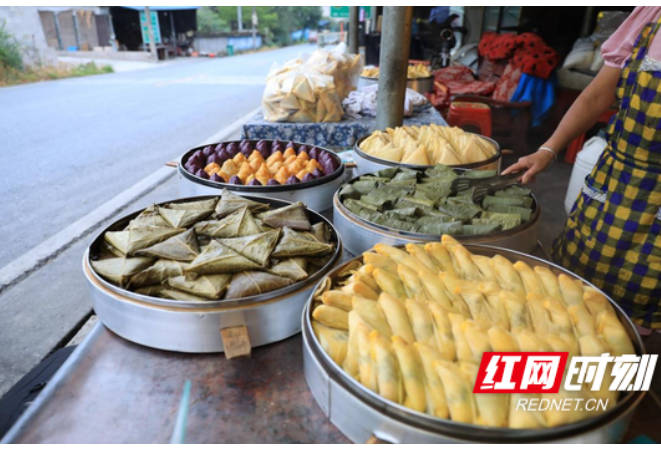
(113, 131)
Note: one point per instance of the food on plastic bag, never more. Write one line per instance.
(415, 71)
(311, 89)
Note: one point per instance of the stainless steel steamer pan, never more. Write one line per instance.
(360, 236)
(317, 195)
(195, 327)
(366, 163)
(360, 414)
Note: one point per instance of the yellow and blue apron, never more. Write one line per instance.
(612, 237)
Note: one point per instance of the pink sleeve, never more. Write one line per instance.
(618, 48)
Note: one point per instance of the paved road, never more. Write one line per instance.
(68, 146)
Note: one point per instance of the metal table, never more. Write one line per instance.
(113, 391)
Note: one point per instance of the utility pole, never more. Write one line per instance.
(353, 29)
(393, 65)
(150, 32)
(239, 18)
(254, 28)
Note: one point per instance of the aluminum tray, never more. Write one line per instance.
(366, 163)
(361, 414)
(195, 327)
(360, 235)
(317, 195)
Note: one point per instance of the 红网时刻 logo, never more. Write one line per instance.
(542, 372)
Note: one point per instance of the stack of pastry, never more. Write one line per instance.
(412, 324)
(279, 166)
(428, 145)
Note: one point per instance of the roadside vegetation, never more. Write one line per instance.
(275, 23)
(13, 71)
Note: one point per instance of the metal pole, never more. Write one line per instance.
(75, 28)
(57, 30)
(353, 29)
(150, 32)
(586, 28)
(239, 18)
(254, 28)
(393, 65)
(173, 32)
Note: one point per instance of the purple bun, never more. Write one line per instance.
(254, 182)
(217, 178)
(232, 149)
(220, 147)
(314, 153)
(308, 177)
(292, 180)
(303, 148)
(246, 151)
(318, 173)
(273, 182)
(290, 144)
(222, 156)
(208, 150)
(202, 174)
(235, 180)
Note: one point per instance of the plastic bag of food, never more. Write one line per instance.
(296, 93)
(337, 62)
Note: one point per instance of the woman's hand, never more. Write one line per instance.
(531, 165)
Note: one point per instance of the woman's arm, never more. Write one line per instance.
(583, 114)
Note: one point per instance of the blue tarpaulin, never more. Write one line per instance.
(162, 8)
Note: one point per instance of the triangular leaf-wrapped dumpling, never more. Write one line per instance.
(321, 232)
(144, 237)
(149, 217)
(257, 248)
(246, 284)
(239, 223)
(217, 258)
(293, 216)
(118, 240)
(182, 247)
(295, 243)
(120, 270)
(208, 286)
(175, 294)
(230, 203)
(294, 268)
(151, 291)
(158, 273)
(180, 218)
(203, 205)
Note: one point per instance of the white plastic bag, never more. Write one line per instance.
(337, 62)
(295, 93)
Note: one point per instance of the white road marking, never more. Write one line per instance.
(33, 259)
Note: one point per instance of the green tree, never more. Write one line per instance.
(10, 49)
(275, 23)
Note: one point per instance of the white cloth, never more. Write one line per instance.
(363, 102)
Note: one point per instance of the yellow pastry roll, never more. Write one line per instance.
(371, 313)
(520, 416)
(517, 313)
(421, 321)
(331, 317)
(380, 262)
(530, 342)
(389, 282)
(360, 289)
(529, 278)
(507, 275)
(477, 338)
(388, 375)
(549, 282)
(492, 409)
(419, 253)
(412, 374)
(502, 340)
(333, 341)
(477, 305)
(584, 323)
(397, 317)
(441, 256)
(613, 332)
(436, 403)
(442, 331)
(367, 370)
(483, 264)
(464, 352)
(571, 289)
(458, 392)
(338, 299)
(595, 301)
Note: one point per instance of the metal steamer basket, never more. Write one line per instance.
(366, 163)
(316, 194)
(422, 85)
(360, 235)
(362, 415)
(196, 327)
